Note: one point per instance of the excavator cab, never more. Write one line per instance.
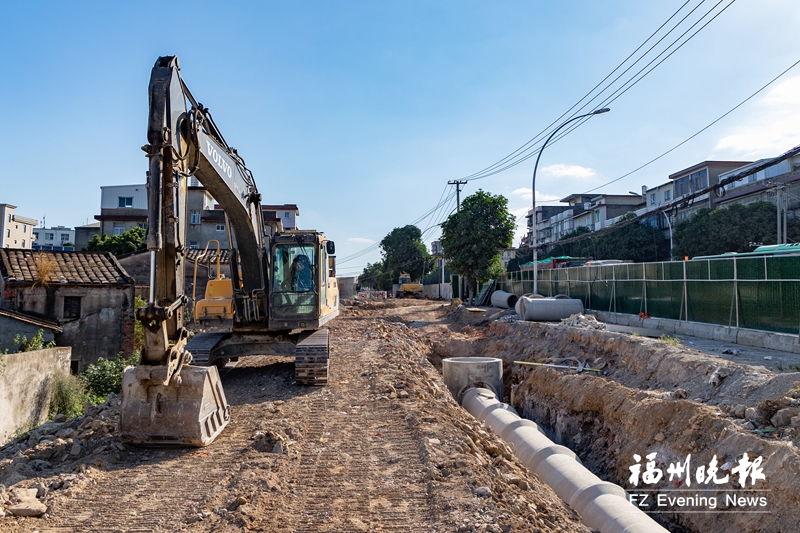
(303, 291)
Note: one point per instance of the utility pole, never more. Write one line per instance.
(458, 185)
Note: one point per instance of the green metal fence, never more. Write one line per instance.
(752, 292)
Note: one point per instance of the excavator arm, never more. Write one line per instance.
(164, 400)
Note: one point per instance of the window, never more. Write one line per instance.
(8, 233)
(9, 218)
(667, 195)
(49, 236)
(72, 307)
(220, 227)
(23, 243)
(142, 225)
(119, 228)
(286, 214)
(35, 234)
(653, 198)
(64, 238)
(125, 201)
(24, 228)
(193, 245)
(194, 217)
(597, 216)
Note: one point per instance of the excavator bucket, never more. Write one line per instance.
(190, 414)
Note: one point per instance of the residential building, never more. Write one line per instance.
(16, 231)
(508, 255)
(762, 185)
(54, 238)
(122, 207)
(695, 178)
(83, 234)
(775, 180)
(88, 295)
(287, 214)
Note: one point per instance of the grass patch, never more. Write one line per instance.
(674, 341)
(68, 395)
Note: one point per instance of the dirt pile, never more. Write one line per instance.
(382, 448)
(654, 396)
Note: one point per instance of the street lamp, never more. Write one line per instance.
(535, 236)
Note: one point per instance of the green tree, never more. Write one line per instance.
(729, 229)
(404, 251)
(523, 255)
(130, 241)
(635, 242)
(473, 239)
(374, 277)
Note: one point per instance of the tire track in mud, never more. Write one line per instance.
(361, 462)
(153, 496)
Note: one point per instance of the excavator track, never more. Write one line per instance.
(200, 346)
(311, 359)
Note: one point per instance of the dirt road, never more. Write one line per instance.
(382, 448)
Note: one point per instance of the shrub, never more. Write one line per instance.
(105, 377)
(68, 396)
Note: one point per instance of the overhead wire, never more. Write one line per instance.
(533, 151)
(734, 108)
(542, 133)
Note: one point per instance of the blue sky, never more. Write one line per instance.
(360, 112)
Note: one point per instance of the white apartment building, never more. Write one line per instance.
(52, 238)
(16, 231)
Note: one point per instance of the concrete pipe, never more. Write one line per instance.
(547, 309)
(504, 300)
(602, 505)
(461, 373)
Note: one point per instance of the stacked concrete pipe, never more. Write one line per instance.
(602, 505)
(504, 300)
(547, 309)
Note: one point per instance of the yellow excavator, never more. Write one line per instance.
(283, 287)
(406, 288)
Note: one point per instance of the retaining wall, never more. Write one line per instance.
(746, 337)
(25, 380)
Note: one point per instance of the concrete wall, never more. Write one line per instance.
(25, 381)
(747, 337)
(10, 328)
(105, 325)
(438, 290)
(347, 286)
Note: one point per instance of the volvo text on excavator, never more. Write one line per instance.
(283, 286)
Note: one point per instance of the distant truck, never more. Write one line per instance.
(406, 288)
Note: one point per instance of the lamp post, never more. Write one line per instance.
(535, 233)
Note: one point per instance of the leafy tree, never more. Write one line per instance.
(473, 239)
(374, 277)
(130, 241)
(404, 251)
(729, 229)
(523, 255)
(636, 242)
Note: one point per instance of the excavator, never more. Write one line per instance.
(283, 286)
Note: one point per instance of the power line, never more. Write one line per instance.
(734, 108)
(513, 160)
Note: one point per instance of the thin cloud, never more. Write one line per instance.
(567, 171)
(360, 240)
(773, 128)
(525, 194)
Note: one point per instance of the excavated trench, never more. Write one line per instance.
(653, 396)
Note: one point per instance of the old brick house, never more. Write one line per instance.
(87, 294)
